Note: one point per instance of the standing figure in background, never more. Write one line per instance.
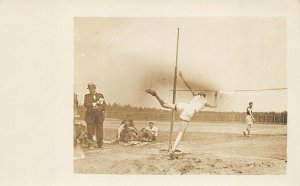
(249, 119)
(94, 115)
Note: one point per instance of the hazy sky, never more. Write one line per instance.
(124, 56)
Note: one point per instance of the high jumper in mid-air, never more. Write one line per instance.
(186, 110)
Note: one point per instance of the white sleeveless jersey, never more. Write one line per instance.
(198, 103)
(187, 110)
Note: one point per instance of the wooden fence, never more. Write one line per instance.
(272, 118)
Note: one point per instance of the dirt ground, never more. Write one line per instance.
(212, 148)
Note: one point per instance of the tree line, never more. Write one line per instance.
(132, 109)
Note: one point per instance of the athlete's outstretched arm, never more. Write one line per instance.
(186, 84)
(217, 97)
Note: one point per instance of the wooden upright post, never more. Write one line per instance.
(174, 93)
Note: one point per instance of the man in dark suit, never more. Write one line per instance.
(94, 116)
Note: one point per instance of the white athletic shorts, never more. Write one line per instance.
(186, 111)
(249, 120)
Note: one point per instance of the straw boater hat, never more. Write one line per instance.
(90, 85)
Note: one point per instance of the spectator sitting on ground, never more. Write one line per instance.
(145, 135)
(150, 133)
(80, 133)
(126, 134)
(129, 118)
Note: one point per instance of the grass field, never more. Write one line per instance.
(214, 148)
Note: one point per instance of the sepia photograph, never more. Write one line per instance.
(180, 95)
(118, 92)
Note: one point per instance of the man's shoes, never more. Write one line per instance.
(151, 92)
(245, 133)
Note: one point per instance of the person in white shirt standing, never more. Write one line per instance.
(249, 119)
(186, 110)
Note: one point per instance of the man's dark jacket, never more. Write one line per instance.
(92, 115)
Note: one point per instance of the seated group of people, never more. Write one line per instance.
(127, 131)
